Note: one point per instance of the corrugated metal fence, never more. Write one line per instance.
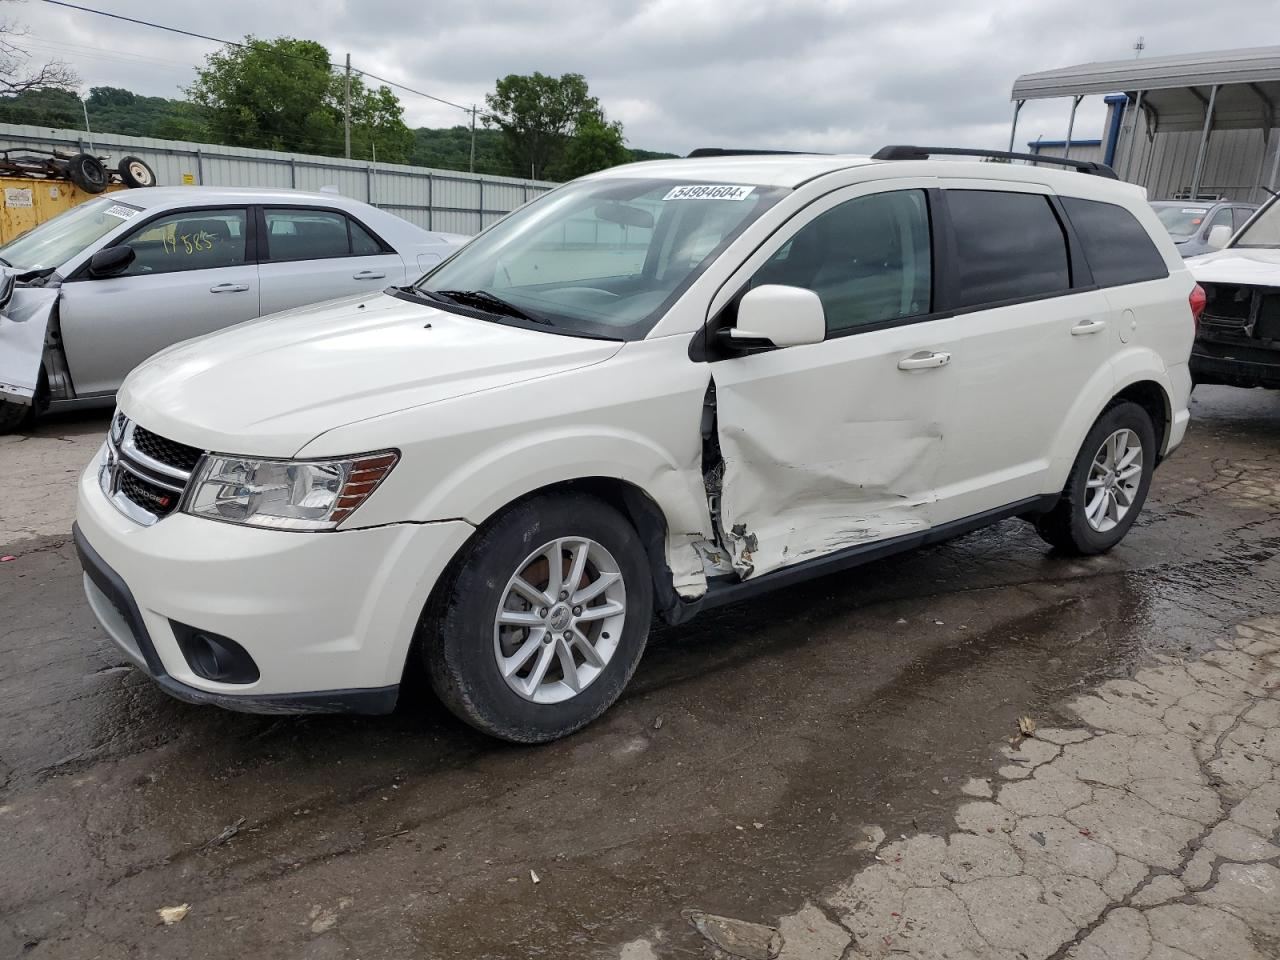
(434, 199)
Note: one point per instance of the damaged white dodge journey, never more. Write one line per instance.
(655, 389)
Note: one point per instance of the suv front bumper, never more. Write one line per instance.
(326, 617)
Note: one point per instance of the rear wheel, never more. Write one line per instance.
(1107, 485)
(537, 630)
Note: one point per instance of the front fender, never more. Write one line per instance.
(672, 480)
(24, 321)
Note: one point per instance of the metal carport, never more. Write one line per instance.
(1208, 118)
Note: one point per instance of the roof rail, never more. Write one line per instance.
(734, 152)
(900, 152)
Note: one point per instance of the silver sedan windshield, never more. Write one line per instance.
(598, 257)
(54, 242)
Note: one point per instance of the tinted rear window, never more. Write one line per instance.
(1116, 246)
(1008, 246)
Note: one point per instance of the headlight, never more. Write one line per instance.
(286, 494)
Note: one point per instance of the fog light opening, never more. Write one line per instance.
(213, 656)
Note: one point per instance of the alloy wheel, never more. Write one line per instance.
(560, 620)
(1114, 478)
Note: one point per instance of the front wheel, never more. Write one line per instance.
(1107, 485)
(537, 630)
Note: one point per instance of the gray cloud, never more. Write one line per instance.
(813, 74)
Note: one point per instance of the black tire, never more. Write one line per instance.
(87, 173)
(15, 415)
(1066, 526)
(456, 635)
(134, 172)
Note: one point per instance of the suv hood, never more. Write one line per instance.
(1259, 267)
(269, 386)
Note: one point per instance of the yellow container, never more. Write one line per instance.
(28, 201)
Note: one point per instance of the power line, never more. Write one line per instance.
(245, 46)
(94, 53)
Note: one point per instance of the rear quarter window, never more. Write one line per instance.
(1009, 246)
(1116, 246)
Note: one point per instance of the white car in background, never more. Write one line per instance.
(88, 295)
(659, 388)
(1238, 342)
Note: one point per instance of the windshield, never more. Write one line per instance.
(1179, 219)
(1264, 229)
(598, 257)
(54, 242)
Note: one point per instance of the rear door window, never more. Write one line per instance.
(301, 234)
(363, 243)
(1009, 246)
(1242, 215)
(1116, 245)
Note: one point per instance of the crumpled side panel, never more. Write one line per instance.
(22, 328)
(798, 488)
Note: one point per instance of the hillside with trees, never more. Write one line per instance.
(282, 94)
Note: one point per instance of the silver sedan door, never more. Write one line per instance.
(193, 274)
(313, 254)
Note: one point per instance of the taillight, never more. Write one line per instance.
(1197, 300)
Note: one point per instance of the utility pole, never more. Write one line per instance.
(346, 110)
(473, 138)
(89, 133)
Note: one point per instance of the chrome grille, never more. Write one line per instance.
(144, 474)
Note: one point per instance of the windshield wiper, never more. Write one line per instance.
(488, 302)
(5, 262)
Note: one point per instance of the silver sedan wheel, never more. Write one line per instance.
(1114, 478)
(560, 620)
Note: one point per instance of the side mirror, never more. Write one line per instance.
(780, 315)
(111, 262)
(1219, 236)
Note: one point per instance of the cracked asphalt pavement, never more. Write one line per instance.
(832, 771)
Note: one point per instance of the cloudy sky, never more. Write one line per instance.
(835, 75)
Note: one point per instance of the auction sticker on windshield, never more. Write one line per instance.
(709, 191)
(124, 213)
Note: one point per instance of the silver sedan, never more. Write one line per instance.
(87, 296)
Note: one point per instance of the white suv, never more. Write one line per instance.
(655, 389)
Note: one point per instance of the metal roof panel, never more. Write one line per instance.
(1251, 65)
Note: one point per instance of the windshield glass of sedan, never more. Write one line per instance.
(54, 242)
(1179, 219)
(600, 257)
(1264, 231)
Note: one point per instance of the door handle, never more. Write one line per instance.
(229, 288)
(924, 361)
(1086, 327)
(369, 275)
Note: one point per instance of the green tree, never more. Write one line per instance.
(378, 118)
(540, 118)
(283, 94)
(595, 145)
